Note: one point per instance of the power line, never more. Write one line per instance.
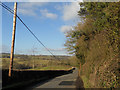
(7, 8)
(11, 11)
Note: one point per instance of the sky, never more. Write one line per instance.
(48, 21)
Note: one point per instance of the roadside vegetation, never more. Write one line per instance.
(95, 42)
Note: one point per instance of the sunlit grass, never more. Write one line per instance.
(36, 64)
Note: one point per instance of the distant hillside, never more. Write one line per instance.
(43, 57)
(37, 62)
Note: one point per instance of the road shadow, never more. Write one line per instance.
(32, 86)
(36, 84)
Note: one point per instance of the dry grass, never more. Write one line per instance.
(36, 63)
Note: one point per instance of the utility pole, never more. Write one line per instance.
(33, 60)
(33, 57)
(13, 40)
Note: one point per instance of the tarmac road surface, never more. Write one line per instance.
(64, 81)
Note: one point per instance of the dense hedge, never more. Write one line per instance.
(95, 41)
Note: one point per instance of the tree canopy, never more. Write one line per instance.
(96, 40)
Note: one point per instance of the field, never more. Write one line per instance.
(31, 68)
(36, 62)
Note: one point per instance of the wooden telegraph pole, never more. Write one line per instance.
(13, 40)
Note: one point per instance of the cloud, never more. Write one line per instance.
(47, 14)
(18, 51)
(29, 8)
(55, 49)
(58, 7)
(65, 28)
(32, 9)
(4, 49)
(58, 49)
(70, 11)
(27, 12)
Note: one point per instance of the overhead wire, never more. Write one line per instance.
(4, 6)
(11, 11)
